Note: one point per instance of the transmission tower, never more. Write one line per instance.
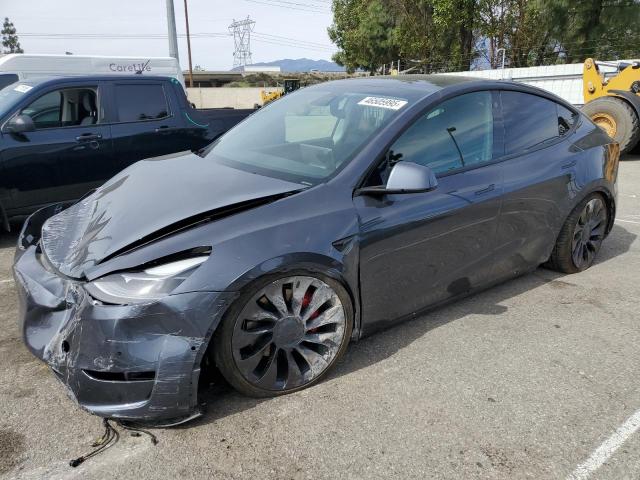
(242, 40)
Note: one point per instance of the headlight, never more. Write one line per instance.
(143, 286)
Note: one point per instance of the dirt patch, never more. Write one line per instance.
(562, 284)
(24, 393)
(12, 446)
(498, 459)
(9, 342)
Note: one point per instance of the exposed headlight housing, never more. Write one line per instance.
(144, 286)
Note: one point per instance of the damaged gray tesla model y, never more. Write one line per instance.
(335, 211)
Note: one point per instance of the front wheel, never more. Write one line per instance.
(284, 334)
(581, 236)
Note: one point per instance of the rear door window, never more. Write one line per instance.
(530, 121)
(137, 103)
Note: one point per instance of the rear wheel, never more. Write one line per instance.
(581, 236)
(284, 334)
(617, 119)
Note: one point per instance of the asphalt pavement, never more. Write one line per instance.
(536, 378)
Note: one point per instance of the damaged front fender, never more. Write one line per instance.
(136, 362)
(30, 233)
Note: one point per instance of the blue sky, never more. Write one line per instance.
(284, 28)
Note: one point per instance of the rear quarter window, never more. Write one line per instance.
(530, 121)
(566, 120)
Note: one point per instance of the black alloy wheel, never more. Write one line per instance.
(589, 233)
(286, 335)
(581, 236)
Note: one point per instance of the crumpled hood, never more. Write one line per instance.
(150, 196)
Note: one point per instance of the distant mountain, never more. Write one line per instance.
(301, 65)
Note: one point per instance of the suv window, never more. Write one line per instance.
(529, 121)
(63, 108)
(456, 134)
(141, 102)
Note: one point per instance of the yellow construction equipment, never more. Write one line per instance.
(290, 85)
(270, 96)
(613, 100)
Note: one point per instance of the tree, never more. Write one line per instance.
(545, 32)
(364, 32)
(519, 26)
(10, 38)
(425, 34)
(447, 35)
(593, 28)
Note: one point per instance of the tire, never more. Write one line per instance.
(287, 342)
(581, 236)
(617, 118)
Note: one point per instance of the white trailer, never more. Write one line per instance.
(32, 65)
(562, 80)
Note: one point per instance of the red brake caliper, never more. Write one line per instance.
(305, 303)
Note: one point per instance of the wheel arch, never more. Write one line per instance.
(609, 199)
(345, 274)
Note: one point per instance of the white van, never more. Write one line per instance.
(21, 66)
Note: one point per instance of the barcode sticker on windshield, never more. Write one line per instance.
(23, 88)
(382, 102)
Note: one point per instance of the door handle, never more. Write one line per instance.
(88, 137)
(162, 128)
(488, 189)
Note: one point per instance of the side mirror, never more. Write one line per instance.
(405, 177)
(20, 124)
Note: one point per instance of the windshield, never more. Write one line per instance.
(11, 94)
(306, 136)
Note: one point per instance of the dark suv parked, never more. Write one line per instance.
(62, 137)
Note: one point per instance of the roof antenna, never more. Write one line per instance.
(144, 65)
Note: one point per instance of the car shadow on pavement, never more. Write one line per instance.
(617, 243)
(221, 400)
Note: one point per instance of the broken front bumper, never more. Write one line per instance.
(136, 362)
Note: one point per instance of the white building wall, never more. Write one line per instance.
(226, 97)
(562, 80)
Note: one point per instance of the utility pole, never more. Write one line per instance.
(186, 19)
(173, 36)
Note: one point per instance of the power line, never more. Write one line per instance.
(293, 39)
(293, 45)
(298, 4)
(116, 35)
(290, 6)
(287, 41)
